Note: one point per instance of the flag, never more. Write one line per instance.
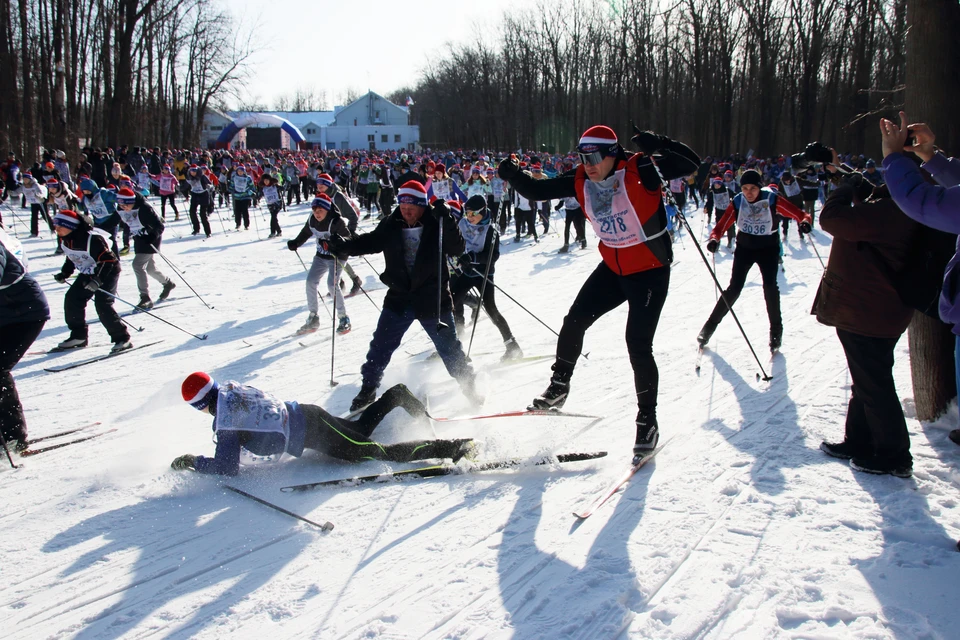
(409, 101)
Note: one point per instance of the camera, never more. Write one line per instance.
(814, 153)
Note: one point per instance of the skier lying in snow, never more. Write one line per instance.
(247, 418)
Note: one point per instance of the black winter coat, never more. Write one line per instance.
(419, 288)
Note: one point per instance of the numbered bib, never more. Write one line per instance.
(792, 189)
(97, 208)
(612, 214)
(132, 220)
(721, 200)
(243, 408)
(270, 195)
(756, 218)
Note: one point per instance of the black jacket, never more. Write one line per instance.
(152, 231)
(419, 288)
(333, 223)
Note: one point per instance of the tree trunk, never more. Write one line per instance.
(933, 91)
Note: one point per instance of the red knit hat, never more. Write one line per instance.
(199, 389)
(126, 196)
(599, 135)
(325, 180)
(67, 219)
(322, 201)
(412, 192)
(456, 205)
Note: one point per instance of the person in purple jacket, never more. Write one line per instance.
(936, 206)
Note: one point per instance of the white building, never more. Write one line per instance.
(370, 122)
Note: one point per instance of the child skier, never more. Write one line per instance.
(147, 231)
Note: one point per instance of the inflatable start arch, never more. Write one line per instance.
(248, 119)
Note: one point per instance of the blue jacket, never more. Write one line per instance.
(226, 460)
(21, 298)
(935, 206)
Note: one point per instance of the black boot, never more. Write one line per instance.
(706, 333)
(776, 339)
(368, 393)
(648, 434)
(555, 394)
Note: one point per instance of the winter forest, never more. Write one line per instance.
(724, 75)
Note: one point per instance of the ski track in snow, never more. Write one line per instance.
(739, 528)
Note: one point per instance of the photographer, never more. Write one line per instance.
(872, 238)
(935, 206)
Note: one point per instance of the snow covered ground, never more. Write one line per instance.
(740, 528)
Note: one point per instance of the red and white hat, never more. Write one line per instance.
(199, 389)
(598, 135)
(322, 201)
(412, 192)
(126, 196)
(67, 219)
(325, 180)
(455, 205)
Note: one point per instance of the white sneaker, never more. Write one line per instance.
(72, 343)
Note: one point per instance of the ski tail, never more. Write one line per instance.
(32, 452)
(60, 434)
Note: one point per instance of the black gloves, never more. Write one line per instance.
(648, 141)
(805, 227)
(464, 262)
(184, 462)
(292, 245)
(441, 209)
(60, 278)
(712, 245)
(508, 168)
(818, 152)
(337, 245)
(92, 285)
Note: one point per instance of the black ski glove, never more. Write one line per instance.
(508, 169)
(805, 227)
(292, 245)
(441, 209)
(337, 246)
(465, 263)
(92, 285)
(648, 141)
(60, 278)
(713, 245)
(185, 462)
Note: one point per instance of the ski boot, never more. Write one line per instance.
(776, 339)
(145, 303)
(555, 394)
(344, 327)
(169, 286)
(564, 249)
(121, 345)
(648, 435)
(311, 325)
(463, 448)
(513, 351)
(125, 250)
(706, 333)
(72, 343)
(469, 388)
(357, 286)
(583, 243)
(366, 397)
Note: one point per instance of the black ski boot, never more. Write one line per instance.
(706, 333)
(357, 286)
(169, 286)
(556, 393)
(564, 249)
(145, 303)
(367, 395)
(648, 435)
(776, 339)
(513, 351)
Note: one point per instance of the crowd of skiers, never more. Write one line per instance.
(440, 218)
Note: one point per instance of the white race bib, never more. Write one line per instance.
(756, 218)
(611, 213)
(243, 408)
(270, 194)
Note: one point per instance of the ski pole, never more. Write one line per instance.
(165, 259)
(333, 317)
(440, 267)
(725, 301)
(364, 291)
(814, 245)
(177, 271)
(326, 526)
(129, 324)
(308, 271)
(514, 300)
(152, 315)
(483, 288)
(6, 450)
(256, 226)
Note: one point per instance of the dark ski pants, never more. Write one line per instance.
(875, 422)
(506, 208)
(768, 259)
(578, 220)
(526, 220)
(38, 211)
(692, 194)
(75, 306)
(15, 339)
(111, 228)
(390, 329)
(293, 189)
(544, 212)
(462, 285)
(604, 291)
(681, 200)
(241, 213)
(200, 202)
(163, 205)
(350, 440)
(386, 201)
(274, 210)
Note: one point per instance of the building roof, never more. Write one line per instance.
(299, 119)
